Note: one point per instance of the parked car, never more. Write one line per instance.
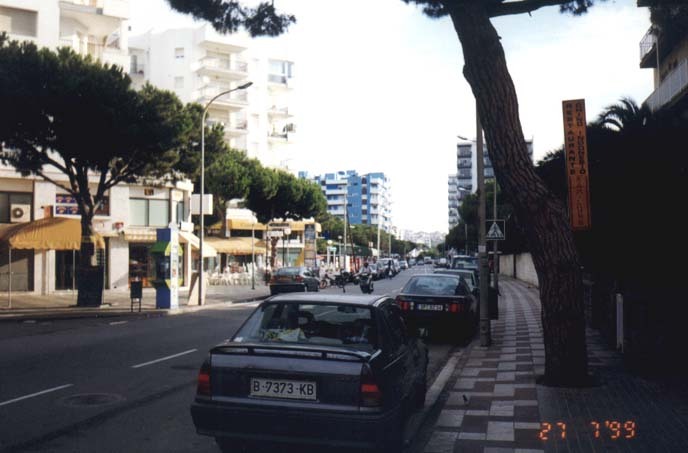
(467, 274)
(291, 279)
(330, 370)
(427, 260)
(442, 262)
(412, 262)
(462, 261)
(403, 265)
(439, 302)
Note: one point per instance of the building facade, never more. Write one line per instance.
(127, 221)
(667, 54)
(453, 200)
(90, 27)
(368, 196)
(466, 169)
(198, 64)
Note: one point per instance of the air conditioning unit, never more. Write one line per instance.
(20, 213)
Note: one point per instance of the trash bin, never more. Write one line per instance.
(135, 293)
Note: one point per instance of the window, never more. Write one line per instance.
(179, 53)
(144, 212)
(321, 324)
(7, 199)
(178, 83)
(181, 212)
(397, 331)
(18, 21)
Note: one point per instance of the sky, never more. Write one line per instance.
(379, 86)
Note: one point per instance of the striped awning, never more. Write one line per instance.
(236, 245)
(52, 233)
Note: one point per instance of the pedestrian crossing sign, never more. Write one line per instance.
(495, 230)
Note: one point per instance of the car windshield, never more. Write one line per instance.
(433, 286)
(313, 324)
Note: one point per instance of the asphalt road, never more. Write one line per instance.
(121, 385)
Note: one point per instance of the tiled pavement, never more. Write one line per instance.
(494, 405)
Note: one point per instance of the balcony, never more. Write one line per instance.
(233, 69)
(233, 128)
(648, 50)
(278, 82)
(279, 112)
(112, 8)
(137, 70)
(672, 88)
(97, 51)
(236, 100)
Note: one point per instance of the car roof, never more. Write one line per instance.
(363, 299)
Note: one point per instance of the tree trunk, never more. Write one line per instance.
(90, 276)
(544, 218)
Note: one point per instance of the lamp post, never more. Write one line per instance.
(485, 328)
(253, 255)
(287, 232)
(205, 112)
(341, 261)
(465, 225)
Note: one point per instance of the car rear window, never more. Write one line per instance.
(288, 271)
(315, 324)
(433, 286)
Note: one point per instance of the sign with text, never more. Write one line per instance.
(576, 147)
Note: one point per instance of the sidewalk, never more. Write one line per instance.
(494, 405)
(62, 305)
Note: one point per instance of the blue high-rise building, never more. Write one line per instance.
(367, 196)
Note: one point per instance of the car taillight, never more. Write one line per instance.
(203, 387)
(453, 308)
(371, 396)
(298, 278)
(404, 304)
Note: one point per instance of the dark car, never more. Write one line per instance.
(467, 274)
(331, 370)
(442, 302)
(293, 279)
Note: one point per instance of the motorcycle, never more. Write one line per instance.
(345, 277)
(366, 283)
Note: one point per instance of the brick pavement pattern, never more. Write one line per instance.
(495, 406)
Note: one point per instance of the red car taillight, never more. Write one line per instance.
(404, 304)
(453, 308)
(203, 387)
(371, 396)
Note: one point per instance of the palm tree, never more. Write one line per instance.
(624, 116)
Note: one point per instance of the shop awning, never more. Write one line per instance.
(52, 233)
(236, 245)
(242, 224)
(295, 225)
(208, 250)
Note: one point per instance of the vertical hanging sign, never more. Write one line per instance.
(576, 146)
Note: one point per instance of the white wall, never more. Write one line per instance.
(519, 266)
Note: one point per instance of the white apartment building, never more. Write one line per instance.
(128, 221)
(90, 27)
(198, 64)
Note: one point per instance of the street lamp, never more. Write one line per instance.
(485, 328)
(205, 112)
(465, 225)
(287, 232)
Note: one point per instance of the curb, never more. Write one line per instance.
(66, 314)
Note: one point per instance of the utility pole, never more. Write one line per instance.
(485, 334)
(346, 216)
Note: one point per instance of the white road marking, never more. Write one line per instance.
(117, 323)
(164, 358)
(43, 392)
